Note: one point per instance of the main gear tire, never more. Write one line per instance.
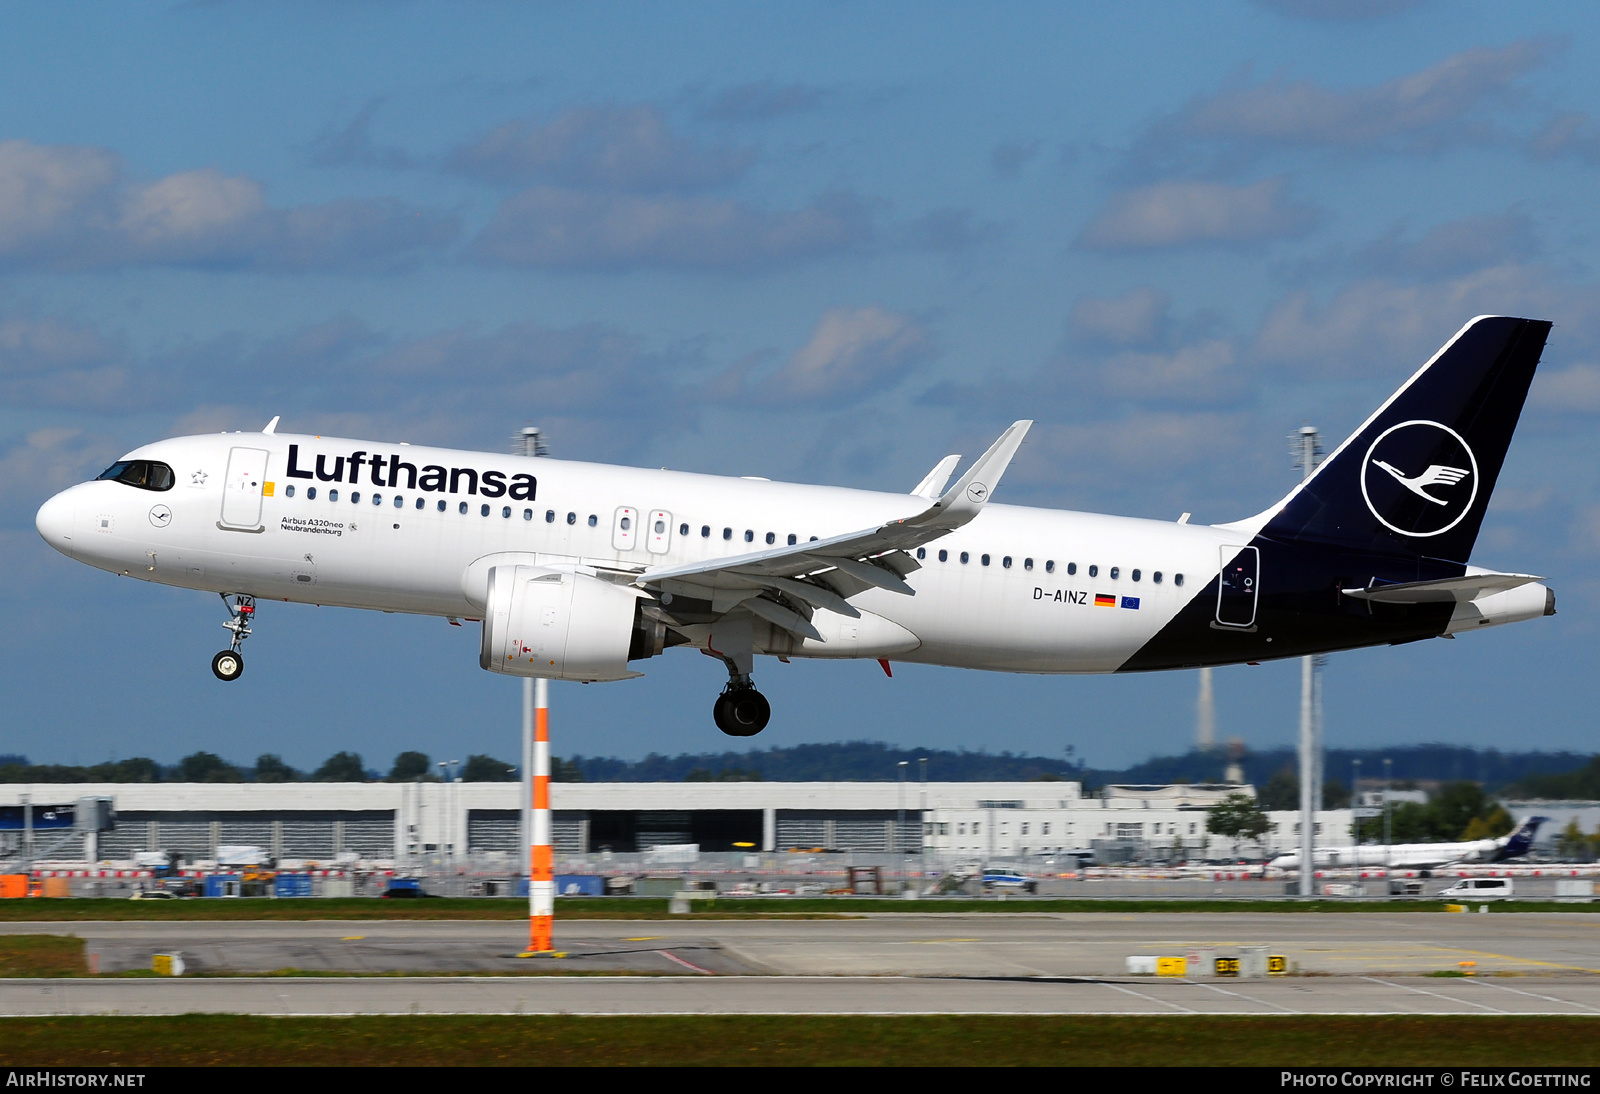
(741, 712)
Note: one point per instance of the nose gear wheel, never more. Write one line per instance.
(229, 664)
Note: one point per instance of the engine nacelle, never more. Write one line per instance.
(563, 626)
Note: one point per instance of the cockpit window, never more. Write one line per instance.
(145, 474)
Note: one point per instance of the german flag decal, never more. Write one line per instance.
(1104, 600)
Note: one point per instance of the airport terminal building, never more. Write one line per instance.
(399, 822)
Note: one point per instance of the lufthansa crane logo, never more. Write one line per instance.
(1419, 478)
(977, 492)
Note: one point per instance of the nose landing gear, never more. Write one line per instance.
(229, 664)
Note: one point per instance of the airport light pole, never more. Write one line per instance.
(922, 817)
(1388, 770)
(900, 812)
(541, 855)
(1306, 458)
(536, 828)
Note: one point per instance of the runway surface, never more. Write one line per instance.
(796, 995)
(903, 963)
(897, 944)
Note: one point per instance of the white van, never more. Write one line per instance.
(1480, 888)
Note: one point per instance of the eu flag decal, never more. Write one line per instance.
(1130, 602)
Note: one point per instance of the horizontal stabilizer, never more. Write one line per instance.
(1443, 590)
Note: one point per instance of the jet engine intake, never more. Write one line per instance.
(563, 626)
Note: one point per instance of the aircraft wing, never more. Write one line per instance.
(852, 553)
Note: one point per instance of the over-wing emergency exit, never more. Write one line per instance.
(581, 571)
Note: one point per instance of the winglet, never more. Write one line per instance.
(934, 482)
(272, 426)
(968, 496)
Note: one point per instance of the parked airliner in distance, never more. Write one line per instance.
(579, 571)
(1418, 855)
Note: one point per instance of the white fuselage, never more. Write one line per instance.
(1024, 600)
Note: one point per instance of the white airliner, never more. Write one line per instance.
(578, 570)
(1420, 855)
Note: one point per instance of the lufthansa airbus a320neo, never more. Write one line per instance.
(580, 571)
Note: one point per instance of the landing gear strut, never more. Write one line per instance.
(229, 664)
(741, 710)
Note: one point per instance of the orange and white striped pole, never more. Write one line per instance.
(541, 855)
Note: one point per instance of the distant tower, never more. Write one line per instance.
(530, 442)
(1205, 715)
(1235, 771)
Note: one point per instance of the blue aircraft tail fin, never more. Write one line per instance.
(1520, 840)
(1415, 479)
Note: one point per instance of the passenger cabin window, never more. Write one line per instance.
(1050, 566)
(1072, 567)
(1134, 575)
(483, 510)
(333, 495)
(355, 497)
(288, 491)
(1177, 579)
(922, 552)
(749, 536)
(1094, 571)
(1115, 572)
(1006, 562)
(964, 558)
(594, 521)
(944, 556)
(1027, 564)
(311, 493)
(1156, 577)
(549, 516)
(145, 474)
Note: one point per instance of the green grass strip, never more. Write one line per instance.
(821, 1040)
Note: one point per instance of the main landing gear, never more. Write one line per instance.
(741, 710)
(229, 664)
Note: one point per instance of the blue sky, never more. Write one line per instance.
(825, 242)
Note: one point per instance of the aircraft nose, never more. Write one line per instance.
(55, 521)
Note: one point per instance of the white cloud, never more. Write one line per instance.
(48, 461)
(610, 147)
(1187, 212)
(1444, 104)
(1202, 373)
(852, 352)
(65, 207)
(1376, 326)
(1136, 318)
(572, 229)
(1489, 239)
(1575, 389)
